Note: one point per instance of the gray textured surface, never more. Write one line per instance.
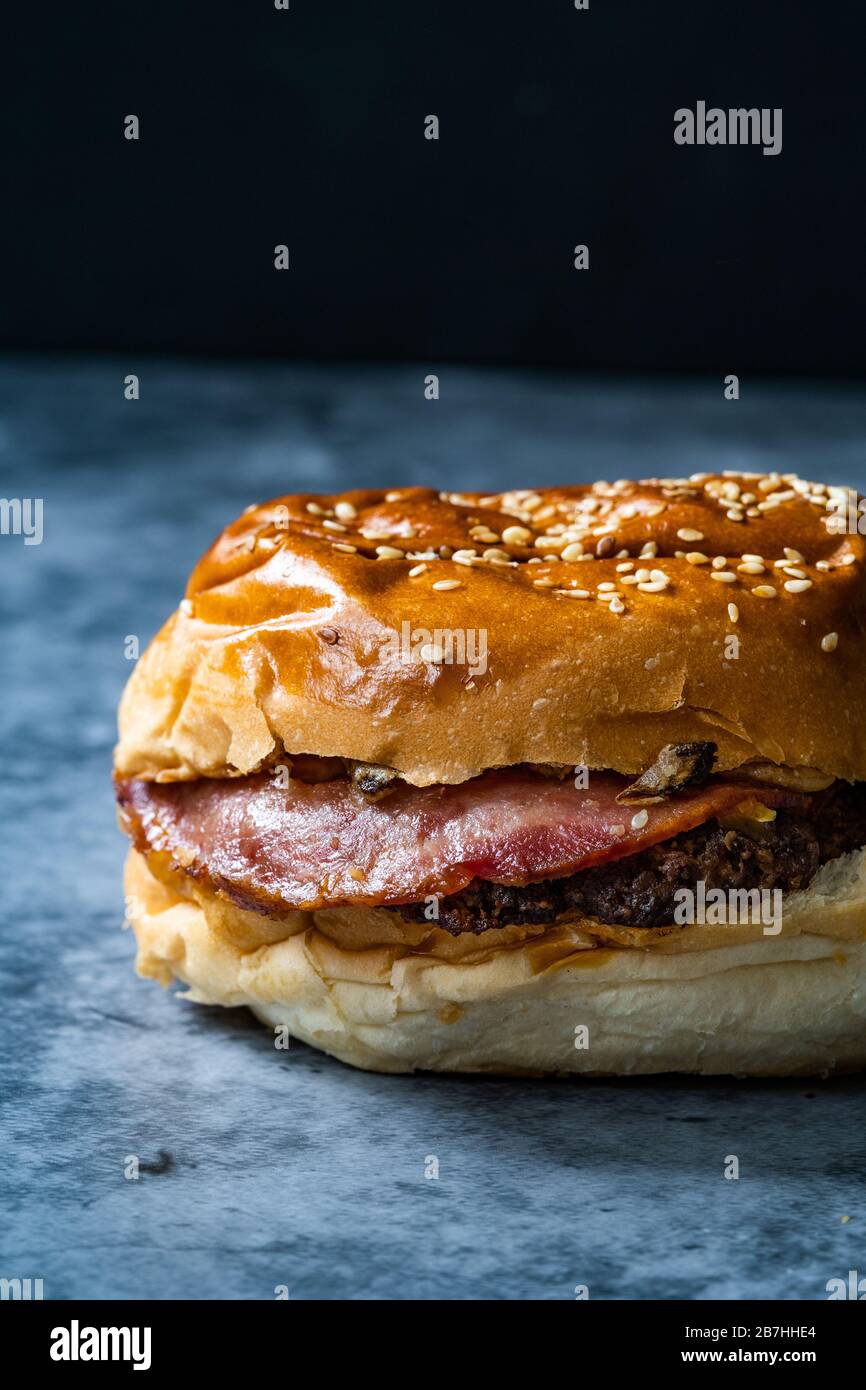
(290, 1168)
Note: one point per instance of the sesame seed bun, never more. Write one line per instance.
(617, 618)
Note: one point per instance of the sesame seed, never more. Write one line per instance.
(649, 551)
(733, 612)
(416, 570)
(848, 560)
(652, 588)
(719, 562)
(686, 533)
(185, 606)
(764, 591)
(696, 557)
(432, 652)
(734, 516)
(617, 605)
(573, 551)
(393, 496)
(606, 588)
(333, 525)
(447, 584)
(464, 557)
(643, 576)
(617, 830)
(753, 559)
(752, 567)
(659, 577)
(315, 509)
(357, 874)
(516, 535)
(639, 820)
(345, 548)
(798, 586)
(830, 642)
(574, 593)
(495, 554)
(724, 576)
(794, 556)
(767, 484)
(389, 552)
(345, 511)
(329, 635)
(823, 565)
(625, 567)
(544, 583)
(629, 579)
(794, 573)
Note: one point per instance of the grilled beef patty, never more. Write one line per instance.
(639, 891)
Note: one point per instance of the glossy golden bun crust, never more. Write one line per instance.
(281, 644)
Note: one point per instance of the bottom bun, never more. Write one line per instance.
(786, 1005)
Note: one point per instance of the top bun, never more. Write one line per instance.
(335, 625)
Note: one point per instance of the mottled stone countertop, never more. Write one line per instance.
(262, 1168)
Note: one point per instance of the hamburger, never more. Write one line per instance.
(556, 780)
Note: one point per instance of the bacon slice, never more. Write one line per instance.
(325, 845)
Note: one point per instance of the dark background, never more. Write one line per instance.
(306, 127)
